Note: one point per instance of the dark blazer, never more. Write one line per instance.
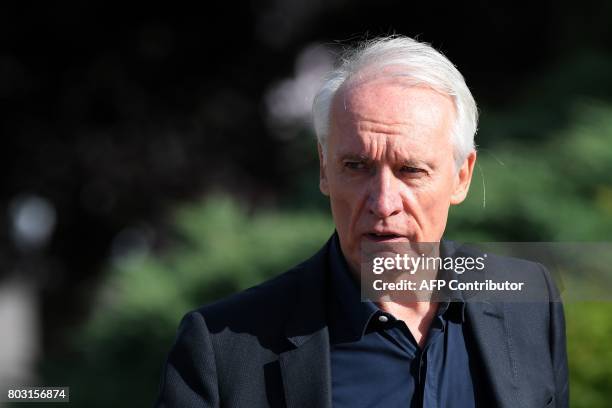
(268, 346)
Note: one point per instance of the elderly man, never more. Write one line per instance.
(395, 125)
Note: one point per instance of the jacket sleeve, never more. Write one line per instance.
(557, 344)
(189, 377)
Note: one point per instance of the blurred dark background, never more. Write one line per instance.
(150, 155)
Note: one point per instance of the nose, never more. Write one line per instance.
(384, 198)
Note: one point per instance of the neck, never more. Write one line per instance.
(414, 309)
(416, 315)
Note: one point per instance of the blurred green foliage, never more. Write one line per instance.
(551, 184)
(220, 249)
(556, 189)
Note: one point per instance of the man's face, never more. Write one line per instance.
(389, 171)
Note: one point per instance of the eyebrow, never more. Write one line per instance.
(355, 157)
(367, 159)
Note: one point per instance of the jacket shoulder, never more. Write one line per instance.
(264, 300)
(538, 282)
(263, 309)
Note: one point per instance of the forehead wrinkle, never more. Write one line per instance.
(378, 127)
(374, 148)
(396, 140)
(398, 136)
(385, 149)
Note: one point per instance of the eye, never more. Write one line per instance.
(412, 170)
(354, 165)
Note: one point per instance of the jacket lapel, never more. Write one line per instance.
(489, 329)
(306, 373)
(305, 369)
(494, 343)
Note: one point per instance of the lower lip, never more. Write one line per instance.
(374, 238)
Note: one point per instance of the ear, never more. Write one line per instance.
(323, 185)
(463, 179)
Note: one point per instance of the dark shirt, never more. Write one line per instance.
(375, 360)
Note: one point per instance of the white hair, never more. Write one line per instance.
(415, 61)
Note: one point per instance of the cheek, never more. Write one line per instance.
(430, 199)
(436, 202)
(346, 202)
(343, 207)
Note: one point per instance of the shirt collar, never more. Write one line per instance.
(350, 315)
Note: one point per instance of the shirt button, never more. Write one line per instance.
(383, 319)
